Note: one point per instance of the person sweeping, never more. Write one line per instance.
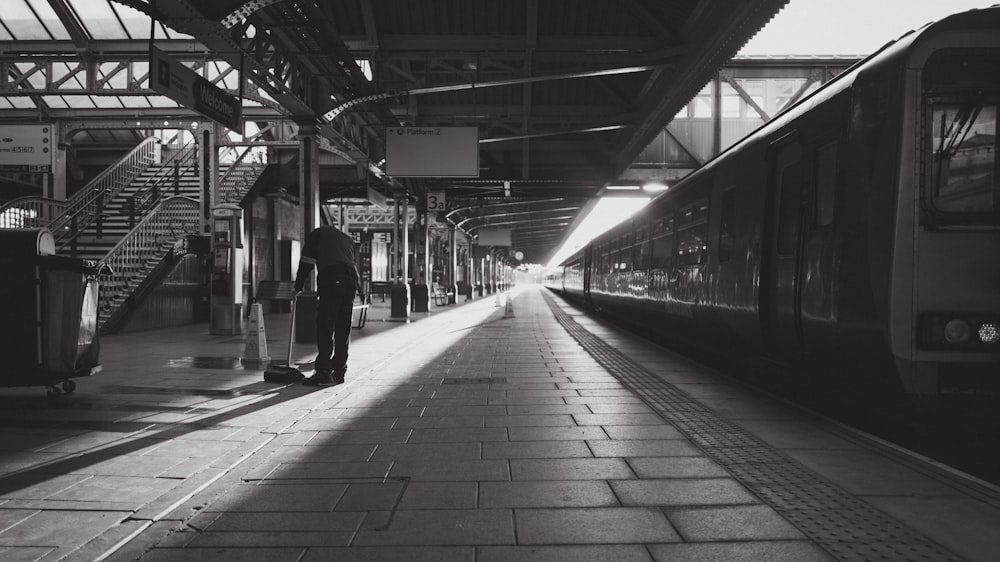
(332, 253)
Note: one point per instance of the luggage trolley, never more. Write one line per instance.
(48, 314)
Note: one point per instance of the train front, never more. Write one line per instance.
(946, 335)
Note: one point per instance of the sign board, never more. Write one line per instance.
(430, 152)
(171, 78)
(497, 237)
(26, 148)
(436, 201)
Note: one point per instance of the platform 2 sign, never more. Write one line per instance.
(26, 148)
(432, 152)
(168, 76)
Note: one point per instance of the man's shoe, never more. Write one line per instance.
(338, 375)
(321, 378)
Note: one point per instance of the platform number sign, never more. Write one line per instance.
(435, 201)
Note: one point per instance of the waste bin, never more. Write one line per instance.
(48, 313)
(421, 297)
(305, 317)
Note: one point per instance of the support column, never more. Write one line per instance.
(400, 291)
(209, 177)
(717, 116)
(58, 182)
(421, 293)
(309, 201)
(453, 262)
(309, 179)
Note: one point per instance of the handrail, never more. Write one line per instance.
(30, 211)
(131, 259)
(149, 194)
(61, 216)
(87, 204)
(239, 173)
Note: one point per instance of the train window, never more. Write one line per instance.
(691, 245)
(964, 156)
(662, 252)
(826, 183)
(727, 218)
(788, 209)
(692, 234)
(693, 214)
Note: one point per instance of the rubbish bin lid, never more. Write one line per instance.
(19, 242)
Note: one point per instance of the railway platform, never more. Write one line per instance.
(493, 430)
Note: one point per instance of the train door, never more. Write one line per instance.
(588, 269)
(780, 283)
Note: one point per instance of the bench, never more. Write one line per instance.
(285, 291)
(440, 295)
(381, 287)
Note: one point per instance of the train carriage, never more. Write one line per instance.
(859, 229)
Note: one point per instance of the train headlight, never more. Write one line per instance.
(957, 332)
(989, 333)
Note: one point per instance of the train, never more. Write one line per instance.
(857, 233)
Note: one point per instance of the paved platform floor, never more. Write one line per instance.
(474, 432)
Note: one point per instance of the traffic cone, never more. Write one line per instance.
(255, 349)
(508, 311)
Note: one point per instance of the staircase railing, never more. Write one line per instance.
(239, 178)
(66, 219)
(181, 160)
(138, 252)
(30, 212)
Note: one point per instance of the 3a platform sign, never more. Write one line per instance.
(436, 201)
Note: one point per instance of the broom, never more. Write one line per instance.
(286, 373)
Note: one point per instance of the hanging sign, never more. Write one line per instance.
(169, 77)
(432, 152)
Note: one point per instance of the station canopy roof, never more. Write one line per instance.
(565, 94)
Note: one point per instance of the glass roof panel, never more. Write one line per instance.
(22, 102)
(99, 19)
(80, 102)
(4, 36)
(49, 19)
(134, 101)
(55, 102)
(161, 101)
(107, 102)
(22, 22)
(137, 24)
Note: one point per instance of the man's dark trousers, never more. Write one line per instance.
(333, 322)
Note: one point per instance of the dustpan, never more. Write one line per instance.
(286, 372)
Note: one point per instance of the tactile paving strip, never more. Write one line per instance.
(845, 526)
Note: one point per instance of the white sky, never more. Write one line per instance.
(805, 27)
(848, 27)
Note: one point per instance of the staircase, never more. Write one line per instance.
(122, 212)
(133, 218)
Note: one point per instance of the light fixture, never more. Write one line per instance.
(623, 188)
(655, 187)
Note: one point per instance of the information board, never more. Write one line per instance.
(430, 152)
(26, 148)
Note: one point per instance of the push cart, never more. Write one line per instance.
(48, 314)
